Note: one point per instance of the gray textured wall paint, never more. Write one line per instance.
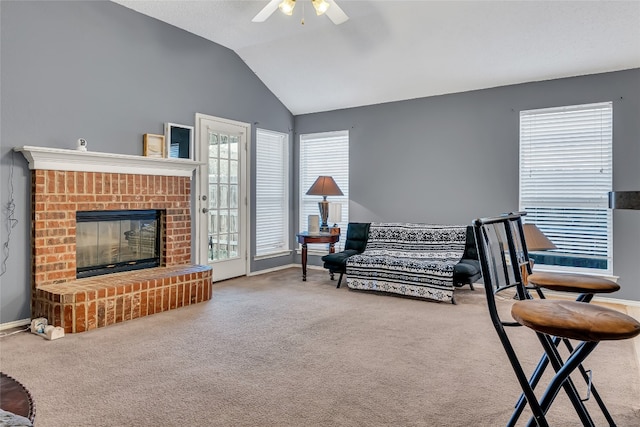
(103, 72)
(452, 158)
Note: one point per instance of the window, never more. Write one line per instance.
(322, 154)
(272, 195)
(565, 177)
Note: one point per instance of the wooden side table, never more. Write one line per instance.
(306, 237)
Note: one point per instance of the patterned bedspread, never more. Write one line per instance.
(409, 259)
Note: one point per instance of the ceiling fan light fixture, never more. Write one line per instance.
(320, 6)
(286, 6)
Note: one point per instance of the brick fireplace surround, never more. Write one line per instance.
(80, 305)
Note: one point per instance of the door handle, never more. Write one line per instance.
(205, 210)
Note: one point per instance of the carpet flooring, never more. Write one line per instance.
(271, 350)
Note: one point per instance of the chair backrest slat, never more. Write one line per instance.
(503, 257)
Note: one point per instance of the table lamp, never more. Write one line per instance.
(324, 186)
(536, 241)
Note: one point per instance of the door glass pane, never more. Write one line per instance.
(224, 146)
(233, 147)
(233, 245)
(233, 171)
(233, 196)
(213, 196)
(213, 170)
(224, 196)
(213, 240)
(233, 221)
(213, 145)
(224, 171)
(224, 225)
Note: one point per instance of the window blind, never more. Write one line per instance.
(272, 195)
(322, 154)
(566, 169)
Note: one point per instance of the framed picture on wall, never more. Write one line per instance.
(153, 145)
(179, 141)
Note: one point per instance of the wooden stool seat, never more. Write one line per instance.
(575, 320)
(569, 282)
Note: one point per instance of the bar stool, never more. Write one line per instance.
(583, 284)
(502, 254)
(586, 286)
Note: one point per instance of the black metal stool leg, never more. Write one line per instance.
(339, 280)
(594, 392)
(562, 379)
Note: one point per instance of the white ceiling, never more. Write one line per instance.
(393, 50)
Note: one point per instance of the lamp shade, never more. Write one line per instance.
(324, 186)
(536, 240)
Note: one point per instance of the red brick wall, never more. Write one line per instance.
(57, 195)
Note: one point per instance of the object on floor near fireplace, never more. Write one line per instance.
(153, 145)
(114, 241)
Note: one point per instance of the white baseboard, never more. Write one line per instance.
(284, 267)
(269, 270)
(627, 302)
(14, 324)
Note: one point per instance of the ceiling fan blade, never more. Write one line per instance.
(336, 14)
(266, 12)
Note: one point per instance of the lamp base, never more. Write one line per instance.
(323, 205)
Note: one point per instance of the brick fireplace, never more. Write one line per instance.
(104, 182)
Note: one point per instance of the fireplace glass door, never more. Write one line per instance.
(113, 241)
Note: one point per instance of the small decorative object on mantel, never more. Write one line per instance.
(153, 145)
(82, 144)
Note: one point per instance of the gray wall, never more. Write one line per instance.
(103, 72)
(450, 159)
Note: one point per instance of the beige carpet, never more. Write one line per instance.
(272, 350)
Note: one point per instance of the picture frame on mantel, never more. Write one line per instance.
(153, 145)
(179, 140)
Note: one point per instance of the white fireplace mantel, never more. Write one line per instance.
(62, 159)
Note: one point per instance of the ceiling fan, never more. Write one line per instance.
(329, 7)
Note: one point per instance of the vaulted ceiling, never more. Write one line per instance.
(395, 50)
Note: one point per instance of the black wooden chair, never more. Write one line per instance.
(503, 257)
(357, 236)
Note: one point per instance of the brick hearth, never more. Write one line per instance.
(83, 304)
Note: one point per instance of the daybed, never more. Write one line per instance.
(417, 260)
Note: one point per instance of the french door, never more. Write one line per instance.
(221, 196)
